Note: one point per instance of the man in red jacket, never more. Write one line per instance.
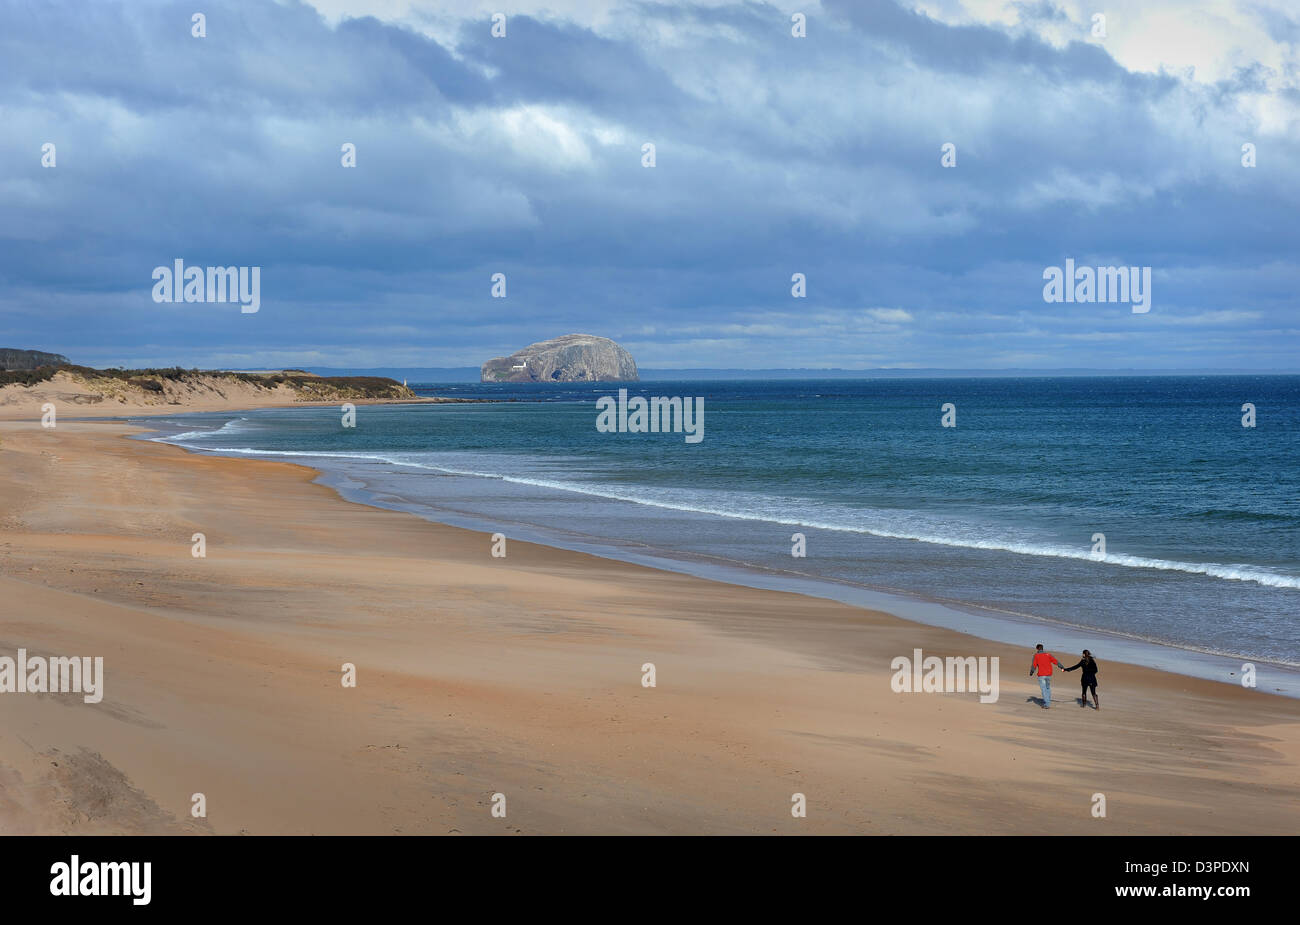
(1042, 663)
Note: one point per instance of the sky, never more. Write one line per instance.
(774, 155)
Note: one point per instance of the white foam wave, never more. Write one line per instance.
(1227, 572)
(227, 428)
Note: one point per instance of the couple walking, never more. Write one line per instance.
(1042, 664)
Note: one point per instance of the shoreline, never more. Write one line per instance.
(918, 608)
(523, 676)
(16, 412)
(985, 623)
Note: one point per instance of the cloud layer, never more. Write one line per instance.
(775, 155)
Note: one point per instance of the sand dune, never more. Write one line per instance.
(78, 395)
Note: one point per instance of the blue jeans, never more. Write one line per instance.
(1045, 688)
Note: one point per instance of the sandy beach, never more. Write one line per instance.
(522, 676)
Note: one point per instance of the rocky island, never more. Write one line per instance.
(570, 358)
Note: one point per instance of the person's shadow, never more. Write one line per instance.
(1038, 700)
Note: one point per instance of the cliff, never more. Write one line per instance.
(571, 358)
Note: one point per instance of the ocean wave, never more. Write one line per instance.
(227, 428)
(1228, 572)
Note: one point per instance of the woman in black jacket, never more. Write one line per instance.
(1088, 679)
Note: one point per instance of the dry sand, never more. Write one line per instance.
(522, 676)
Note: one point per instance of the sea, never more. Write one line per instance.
(1135, 516)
